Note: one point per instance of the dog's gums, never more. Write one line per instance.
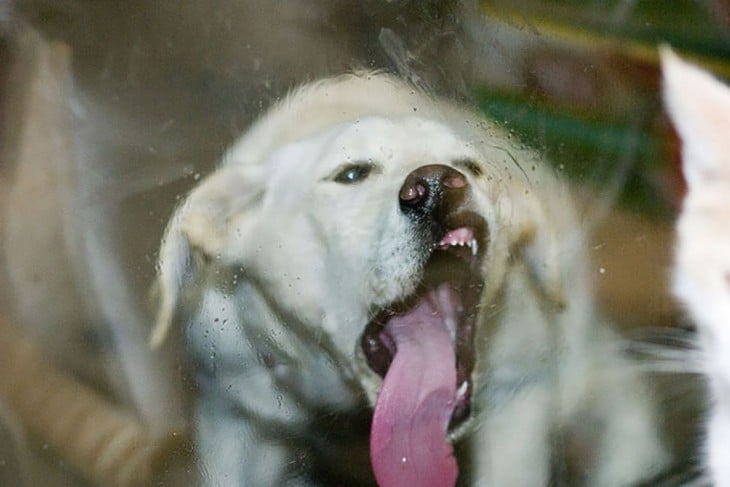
(423, 346)
(462, 237)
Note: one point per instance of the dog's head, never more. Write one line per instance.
(358, 201)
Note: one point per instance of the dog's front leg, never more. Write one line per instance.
(512, 443)
(629, 448)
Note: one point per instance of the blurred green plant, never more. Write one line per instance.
(595, 143)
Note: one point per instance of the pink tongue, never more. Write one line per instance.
(408, 444)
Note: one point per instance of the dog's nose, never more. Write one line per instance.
(432, 189)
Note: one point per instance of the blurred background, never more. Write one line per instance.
(111, 111)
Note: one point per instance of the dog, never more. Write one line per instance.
(699, 106)
(368, 256)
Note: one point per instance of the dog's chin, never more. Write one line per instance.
(451, 279)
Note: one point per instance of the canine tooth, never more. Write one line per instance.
(461, 390)
(474, 247)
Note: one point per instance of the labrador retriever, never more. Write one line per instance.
(370, 257)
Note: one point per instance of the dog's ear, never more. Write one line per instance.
(535, 238)
(202, 224)
(699, 106)
(539, 249)
(528, 239)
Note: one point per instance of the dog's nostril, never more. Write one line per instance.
(455, 181)
(412, 192)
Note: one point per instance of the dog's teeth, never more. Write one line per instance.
(461, 390)
(474, 247)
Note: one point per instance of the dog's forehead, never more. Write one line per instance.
(396, 142)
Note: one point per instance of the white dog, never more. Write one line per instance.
(362, 229)
(699, 106)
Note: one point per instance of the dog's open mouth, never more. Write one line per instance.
(423, 346)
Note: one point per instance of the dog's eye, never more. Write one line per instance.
(353, 173)
(470, 166)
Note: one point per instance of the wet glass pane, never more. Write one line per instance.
(345, 243)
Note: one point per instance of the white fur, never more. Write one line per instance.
(275, 268)
(699, 106)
